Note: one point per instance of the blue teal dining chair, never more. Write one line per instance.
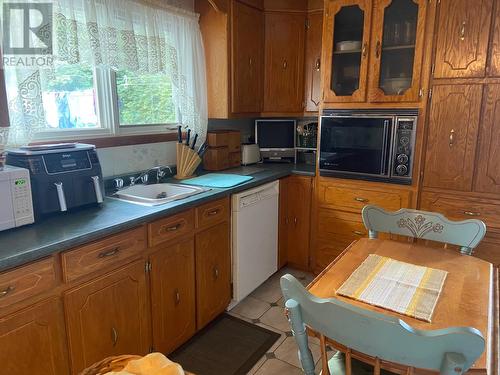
(371, 342)
(424, 225)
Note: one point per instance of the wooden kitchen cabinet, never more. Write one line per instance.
(295, 214)
(213, 273)
(452, 136)
(33, 341)
(494, 62)
(345, 69)
(462, 33)
(173, 295)
(312, 63)
(487, 177)
(108, 316)
(284, 62)
(247, 55)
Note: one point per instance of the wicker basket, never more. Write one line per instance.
(115, 363)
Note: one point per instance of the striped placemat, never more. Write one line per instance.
(397, 286)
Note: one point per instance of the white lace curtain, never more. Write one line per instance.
(120, 34)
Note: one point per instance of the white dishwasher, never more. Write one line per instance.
(254, 238)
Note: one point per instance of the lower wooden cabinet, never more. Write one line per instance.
(108, 316)
(213, 273)
(295, 214)
(33, 341)
(173, 295)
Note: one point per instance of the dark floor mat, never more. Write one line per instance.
(228, 346)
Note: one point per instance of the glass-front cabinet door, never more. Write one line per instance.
(398, 44)
(346, 35)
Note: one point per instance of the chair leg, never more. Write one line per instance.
(466, 250)
(300, 334)
(453, 364)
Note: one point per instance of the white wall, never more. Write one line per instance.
(126, 159)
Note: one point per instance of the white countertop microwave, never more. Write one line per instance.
(16, 204)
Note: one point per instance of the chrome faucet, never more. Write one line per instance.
(160, 173)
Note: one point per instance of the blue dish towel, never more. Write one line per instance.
(218, 180)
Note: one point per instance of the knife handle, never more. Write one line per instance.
(179, 134)
(188, 136)
(194, 141)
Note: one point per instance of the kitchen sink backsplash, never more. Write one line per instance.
(127, 159)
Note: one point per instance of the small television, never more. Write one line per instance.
(276, 139)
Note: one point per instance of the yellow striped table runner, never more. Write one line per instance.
(397, 286)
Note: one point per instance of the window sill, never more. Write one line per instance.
(116, 141)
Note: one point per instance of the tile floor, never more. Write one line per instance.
(264, 307)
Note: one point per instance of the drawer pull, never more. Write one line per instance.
(358, 233)
(7, 290)
(109, 253)
(172, 228)
(177, 297)
(114, 335)
(213, 212)
(362, 200)
(216, 273)
(470, 213)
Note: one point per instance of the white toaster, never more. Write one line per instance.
(250, 154)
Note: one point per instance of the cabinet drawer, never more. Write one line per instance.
(170, 227)
(332, 222)
(102, 254)
(212, 213)
(26, 281)
(353, 199)
(461, 208)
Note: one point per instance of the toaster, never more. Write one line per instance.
(250, 154)
(61, 178)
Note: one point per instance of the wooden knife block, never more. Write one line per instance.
(187, 161)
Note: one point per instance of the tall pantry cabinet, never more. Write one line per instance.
(461, 176)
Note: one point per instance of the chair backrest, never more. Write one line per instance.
(426, 225)
(450, 350)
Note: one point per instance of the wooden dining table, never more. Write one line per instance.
(469, 297)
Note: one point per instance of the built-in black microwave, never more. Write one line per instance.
(368, 144)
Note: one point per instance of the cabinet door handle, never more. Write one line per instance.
(462, 31)
(216, 273)
(213, 212)
(295, 220)
(172, 228)
(317, 65)
(109, 253)
(250, 61)
(362, 200)
(470, 213)
(285, 64)
(7, 290)
(452, 138)
(114, 335)
(364, 50)
(358, 233)
(177, 297)
(378, 49)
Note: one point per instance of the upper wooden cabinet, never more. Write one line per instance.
(494, 63)
(312, 62)
(387, 33)
(452, 136)
(462, 33)
(284, 62)
(247, 56)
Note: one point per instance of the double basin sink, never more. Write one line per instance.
(157, 194)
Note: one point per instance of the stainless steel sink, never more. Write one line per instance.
(156, 194)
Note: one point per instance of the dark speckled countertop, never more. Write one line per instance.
(64, 231)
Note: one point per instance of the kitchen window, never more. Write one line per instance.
(119, 68)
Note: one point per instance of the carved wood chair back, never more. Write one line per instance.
(383, 341)
(424, 225)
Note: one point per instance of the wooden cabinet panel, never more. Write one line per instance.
(312, 63)
(494, 63)
(284, 59)
(212, 213)
(106, 253)
(489, 250)
(283, 224)
(355, 70)
(173, 295)
(462, 38)
(297, 220)
(213, 273)
(452, 136)
(457, 207)
(108, 316)
(26, 281)
(353, 199)
(329, 248)
(170, 227)
(487, 176)
(33, 341)
(247, 25)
